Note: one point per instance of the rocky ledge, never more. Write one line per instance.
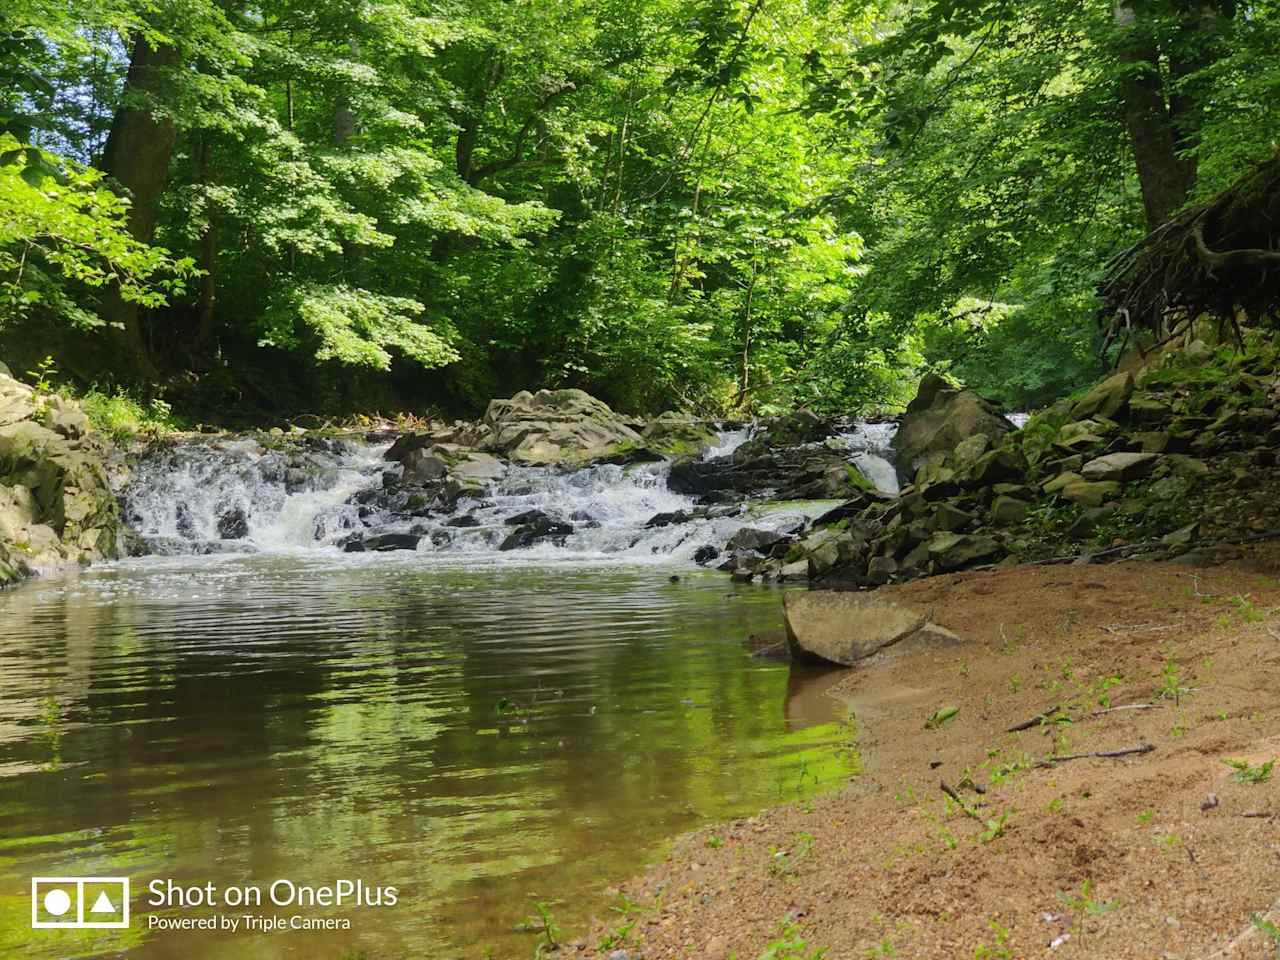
(1171, 457)
(56, 506)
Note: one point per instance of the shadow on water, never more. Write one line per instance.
(477, 738)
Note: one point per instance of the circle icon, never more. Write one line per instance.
(57, 902)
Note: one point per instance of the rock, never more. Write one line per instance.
(422, 466)
(799, 570)
(953, 551)
(939, 490)
(705, 554)
(65, 418)
(1188, 467)
(479, 466)
(1060, 482)
(845, 627)
(880, 570)
(750, 538)
(529, 516)
(1183, 536)
(1158, 442)
(676, 435)
(530, 533)
(553, 426)
(667, 519)
(233, 524)
(1006, 511)
(969, 450)
(998, 466)
(1070, 464)
(1120, 466)
(822, 556)
(1148, 410)
(1084, 526)
(1091, 493)
(949, 517)
(1095, 429)
(466, 520)
(1107, 399)
(383, 542)
(56, 506)
(940, 418)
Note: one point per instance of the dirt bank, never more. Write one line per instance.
(1160, 854)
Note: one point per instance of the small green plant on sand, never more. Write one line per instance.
(1247, 609)
(884, 948)
(1269, 929)
(941, 717)
(617, 937)
(1171, 687)
(790, 946)
(1001, 950)
(996, 827)
(1248, 773)
(1085, 904)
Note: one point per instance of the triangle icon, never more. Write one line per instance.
(102, 904)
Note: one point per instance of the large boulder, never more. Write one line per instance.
(678, 436)
(555, 426)
(844, 627)
(939, 419)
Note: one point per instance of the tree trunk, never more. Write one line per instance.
(137, 156)
(1164, 177)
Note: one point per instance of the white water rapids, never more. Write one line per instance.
(239, 496)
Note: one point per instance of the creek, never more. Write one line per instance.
(480, 729)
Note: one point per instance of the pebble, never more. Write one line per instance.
(1209, 802)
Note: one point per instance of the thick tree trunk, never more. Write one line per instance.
(137, 155)
(1165, 178)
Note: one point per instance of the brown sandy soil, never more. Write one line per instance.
(891, 865)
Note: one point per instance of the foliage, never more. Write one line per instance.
(724, 207)
(61, 230)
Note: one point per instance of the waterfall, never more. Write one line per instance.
(242, 496)
(870, 448)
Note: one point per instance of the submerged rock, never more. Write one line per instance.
(543, 528)
(233, 524)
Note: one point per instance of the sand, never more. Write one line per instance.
(1161, 854)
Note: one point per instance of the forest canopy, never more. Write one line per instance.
(730, 206)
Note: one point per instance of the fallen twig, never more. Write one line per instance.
(950, 792)
(1035, 721)
(1101, 754)
(1125, 706)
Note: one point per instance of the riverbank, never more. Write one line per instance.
(1162, 853)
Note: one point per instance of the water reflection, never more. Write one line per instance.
(475, 738)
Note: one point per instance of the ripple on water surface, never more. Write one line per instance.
(477, 736)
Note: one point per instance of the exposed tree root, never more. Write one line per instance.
(1221, 258)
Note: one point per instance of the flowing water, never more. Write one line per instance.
(479, 729)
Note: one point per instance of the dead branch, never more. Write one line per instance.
(1102, 755)
(1035, 721)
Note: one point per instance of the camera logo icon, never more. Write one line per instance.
(79, 903)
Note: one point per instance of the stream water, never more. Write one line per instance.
(481, 730)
